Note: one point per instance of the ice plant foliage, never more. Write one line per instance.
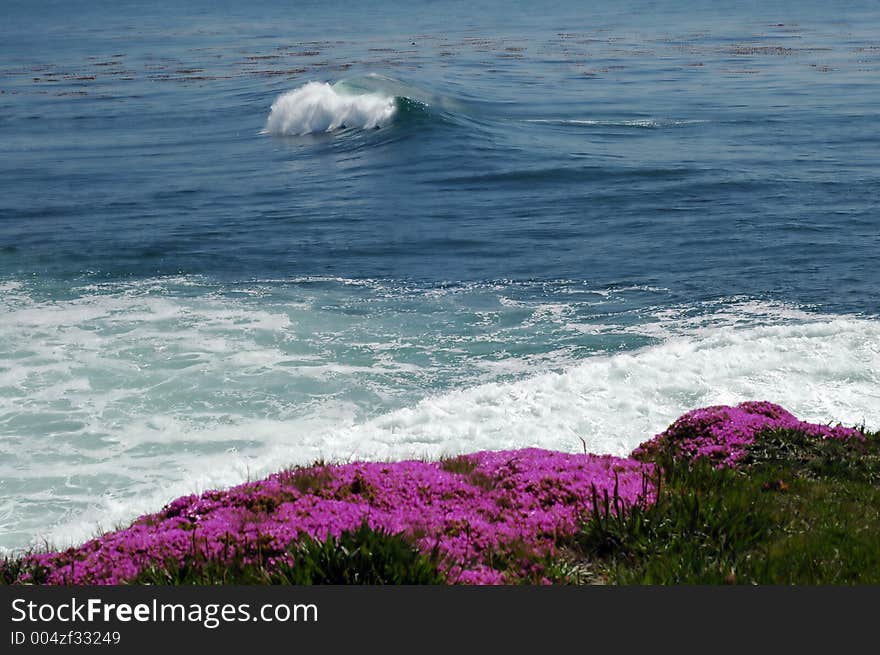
(473, 511)
(487, 518)
(723, 434)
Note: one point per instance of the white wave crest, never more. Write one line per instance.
(320, 107)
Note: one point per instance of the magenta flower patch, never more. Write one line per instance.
(488, 503)
(723, 434)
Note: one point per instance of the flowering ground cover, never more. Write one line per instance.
(724, 434)
(490, 517)
(689, 505)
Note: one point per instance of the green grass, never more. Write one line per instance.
(466, 467)
(11, 569)
(362, 556)
(799, 511)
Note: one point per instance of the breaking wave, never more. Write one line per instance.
(320, 107)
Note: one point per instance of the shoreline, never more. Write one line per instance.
(491, 517)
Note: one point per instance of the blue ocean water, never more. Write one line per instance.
(237, 236)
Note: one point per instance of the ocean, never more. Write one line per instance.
(236, 237)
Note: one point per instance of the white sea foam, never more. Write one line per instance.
(320, 107)
(820, 370)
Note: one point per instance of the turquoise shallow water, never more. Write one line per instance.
(524, 226)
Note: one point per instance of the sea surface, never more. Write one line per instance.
(238, 236)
